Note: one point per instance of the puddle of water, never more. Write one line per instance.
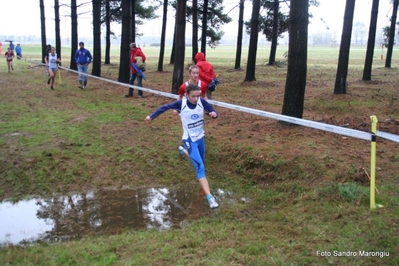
(105, 211)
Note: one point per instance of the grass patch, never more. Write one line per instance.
(295, 191)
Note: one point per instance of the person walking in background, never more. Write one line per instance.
(11, 46)
(9, 57)
(1, 47)
(83, 59)
(206, 73)
(137, 60)
(52, 61)
(18, 50)
(191, 110)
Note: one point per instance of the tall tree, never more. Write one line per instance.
(195, 30)
(343, 59)
(96, 67)
(173, 52)
(141, 11)
(178, 70)
(133, 21)
(297, 59)
(163, 35)
(273, 48)
(74, 34)
(371, 41)
(57, 28)
(211, 17)
(253, 42)
(107, 33)
(272, 25)
(43, 30)
(239, 35)
(392, 33)
(204, 26)
(124, 58)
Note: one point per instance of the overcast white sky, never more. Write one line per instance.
(23, 18)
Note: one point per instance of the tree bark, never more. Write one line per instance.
(107, 34)
(392, 34)
(343, 59)
(133, 21)
(163, 35)
(124, 58)
(96, 67)
(371, 42)
(204, 26)
(57, 28)
(239, 35)
(297, 59)
(195, 30)
(273, 48)
(74, 34)
(43, 30)
(178, 70)
(253, 42)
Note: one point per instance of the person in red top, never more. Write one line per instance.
(206, 72)
(136, 56)
(193, 73)
(9, 57)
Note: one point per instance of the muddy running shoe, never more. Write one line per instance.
(212, 203)
(128, 95)
(182, 151)
(52, 88)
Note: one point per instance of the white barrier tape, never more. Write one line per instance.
(293, 120)
(307, 123)
(387, 135)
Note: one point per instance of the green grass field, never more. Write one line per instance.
(306, 192)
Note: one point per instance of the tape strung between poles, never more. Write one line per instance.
(293, 120)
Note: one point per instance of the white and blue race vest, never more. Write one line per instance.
(192, 120)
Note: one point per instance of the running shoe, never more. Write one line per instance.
(182, 151)
(212, 203)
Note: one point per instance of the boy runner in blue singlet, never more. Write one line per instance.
(192, 109)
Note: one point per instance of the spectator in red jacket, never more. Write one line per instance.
(206, 73)
(136, 57)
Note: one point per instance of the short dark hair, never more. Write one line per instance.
(192, 87)
(82, 43)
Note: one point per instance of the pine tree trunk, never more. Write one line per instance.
(371, 42)
(343, 60)
(74, 34)
(96, 67)
(239, 36)
(253, 42)
(124, 58)
(178, 70)
(392, 33)
(163, 35)
(297, 59)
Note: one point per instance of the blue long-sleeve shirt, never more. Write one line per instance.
(83, 56)
(177, 106)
